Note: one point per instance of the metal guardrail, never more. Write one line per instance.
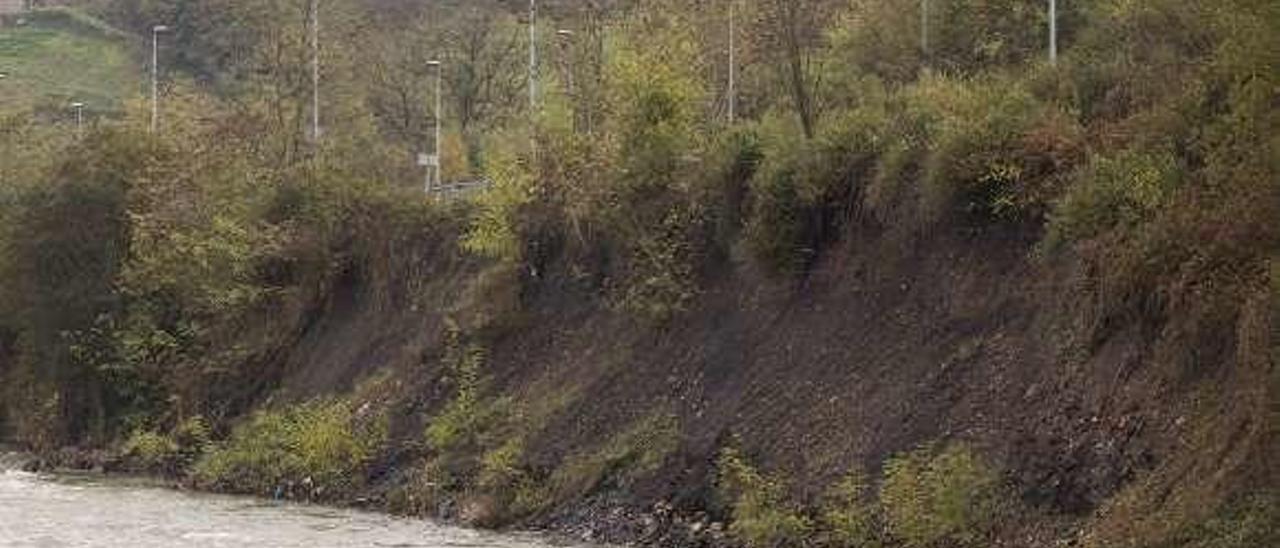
(459, 189)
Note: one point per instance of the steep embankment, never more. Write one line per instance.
(1099, 428)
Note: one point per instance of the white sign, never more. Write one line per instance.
(429, 160)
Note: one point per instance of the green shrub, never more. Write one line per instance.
(503, 475)
(930, 497)
(467, 418)
(848, 518)
(660, 280)
(321, 440)
(151, 451)
(805, 189)
(1119, 191)
(976, 164)
(193, 437)
(493, 230)
(761, 515)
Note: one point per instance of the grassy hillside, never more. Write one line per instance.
(58, 57)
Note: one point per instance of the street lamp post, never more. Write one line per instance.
(1053, 31)
(155, 74)
(79, 107)
(733, 63)
(924, 26)
(533, 57)
(315, 70)
(434, 162)
(533, 79)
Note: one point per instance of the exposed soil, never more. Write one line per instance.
(883, 346)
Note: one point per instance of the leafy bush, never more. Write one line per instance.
(493, 230)
(503, 475)
(323, 441)
(930, 497)
(1119, 191)
(805, 190)
(151, 451)
(976, 163)
(661, 278)
(848, 518)
(193, 437)
(464, 422)
(761, 515)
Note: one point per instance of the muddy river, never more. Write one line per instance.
(80, 511)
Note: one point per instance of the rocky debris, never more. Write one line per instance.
(610, 519)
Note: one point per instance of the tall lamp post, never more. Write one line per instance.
(1053, 31)
(533, 57)
(155, 74)
(533, 79)
(924, 26)
(733, 63)
(79, 107)
(315, 70)
(433, 162)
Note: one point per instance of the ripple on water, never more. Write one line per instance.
(40, 511)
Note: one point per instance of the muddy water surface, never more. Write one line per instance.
(80, 511)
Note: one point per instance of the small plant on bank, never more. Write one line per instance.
(930, 497)
(849, 518)
(762, 518)
(318, 449)
(151, 451)
(504, 476)
(468, 416)
(1120, 191)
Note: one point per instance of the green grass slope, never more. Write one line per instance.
(57, 57)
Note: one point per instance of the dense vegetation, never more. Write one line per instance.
(154, 283)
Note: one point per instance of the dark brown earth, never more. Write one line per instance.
(886, 344)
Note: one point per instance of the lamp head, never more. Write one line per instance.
(160, 28)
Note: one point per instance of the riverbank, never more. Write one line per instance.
(968, 299)
(586, 424)
(13, 459)
(99, 465)
(82, 511)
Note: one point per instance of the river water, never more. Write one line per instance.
(39, 511)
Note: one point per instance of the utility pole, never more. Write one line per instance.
(79, 118)
(1053, 31)
(432, 161)
(315, 71)
(155, 75)
(533, 56)
(533, 80)
(733, 63)
(439, 120)
(924, 26)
